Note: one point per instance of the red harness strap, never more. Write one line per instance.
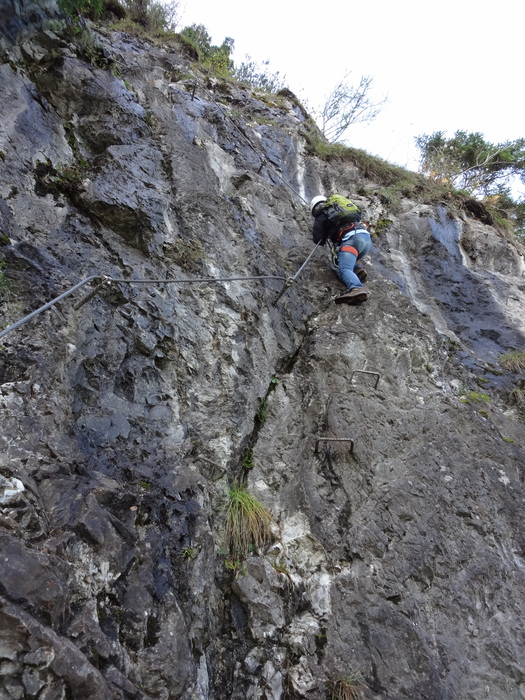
(349, 249)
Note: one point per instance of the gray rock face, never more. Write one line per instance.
(386, 440)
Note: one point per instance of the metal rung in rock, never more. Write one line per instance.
(364, 371)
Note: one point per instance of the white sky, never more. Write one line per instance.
(453, 64)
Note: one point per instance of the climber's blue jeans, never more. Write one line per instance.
(354, 246)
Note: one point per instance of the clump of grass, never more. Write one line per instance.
(281, 568)
(514, 360)
(248, 523)
(262, 411)
(69, 176)
(66, 178)
(189, 553)
(186, 254)
(475, 397)
(517, 396)
(248, 461)
(348, 687)
(319, 146)
(380, 225)
(129, 27)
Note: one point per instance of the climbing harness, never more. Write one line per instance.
(343, 231)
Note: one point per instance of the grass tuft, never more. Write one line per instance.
(248, 523)
(475, 397)
(514, 360)
(348, 687)
(517, 396)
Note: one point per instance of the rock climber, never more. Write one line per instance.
(338, 220)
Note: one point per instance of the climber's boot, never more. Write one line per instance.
(354, 296)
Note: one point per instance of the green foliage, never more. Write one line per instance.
(258, 76)
(155, 17)
(481, 169)
(189, 553)
(248, 462)
(475, 397)
(113, 8)
(66, 178)
(281, 568)
(217, 58)
(197, 36)
(380, 225)
(514, 360)
(69, 177)
(262, 411)
(371, 167)
(89, 48)
(470, 163)
(74, 8)
(186, 253)
(69, 130)
(348, 687)
(248, 523)
(129, 27)
(236, 566)
(506, 212)
(517, 396)
(319, 146)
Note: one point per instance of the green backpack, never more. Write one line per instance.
(341, 211)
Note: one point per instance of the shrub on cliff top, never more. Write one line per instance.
(73, 8)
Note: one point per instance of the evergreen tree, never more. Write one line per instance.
(467, 161)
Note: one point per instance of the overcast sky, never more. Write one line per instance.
(453, 64)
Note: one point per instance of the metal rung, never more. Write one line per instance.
(334, 440)
(364, 371)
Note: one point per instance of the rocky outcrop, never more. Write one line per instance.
(383, 439)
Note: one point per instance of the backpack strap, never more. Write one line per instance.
(343, 231)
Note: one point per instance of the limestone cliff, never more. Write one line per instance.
(127, 416)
